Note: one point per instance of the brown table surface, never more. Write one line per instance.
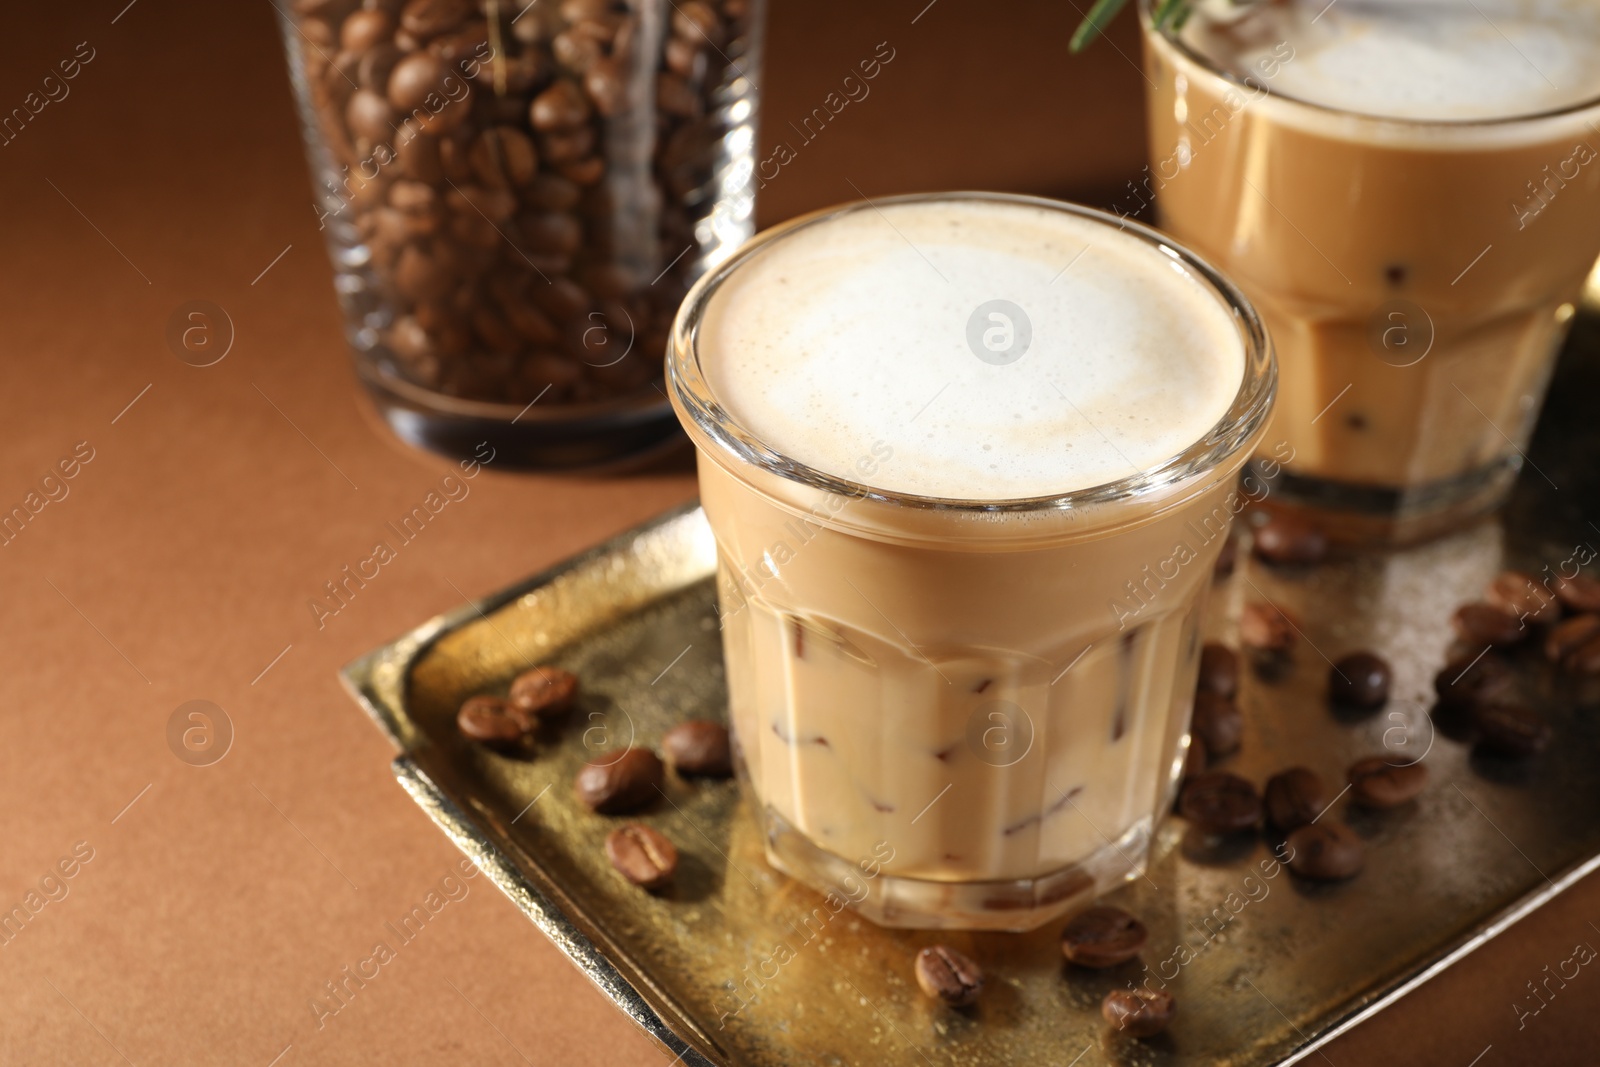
(220, 899)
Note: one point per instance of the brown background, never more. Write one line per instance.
(180, 566)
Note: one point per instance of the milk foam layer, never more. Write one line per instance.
(845, 346)
(1441, 60)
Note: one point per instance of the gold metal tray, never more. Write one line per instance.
(736, 965)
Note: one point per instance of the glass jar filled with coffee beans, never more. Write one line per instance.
(516, 196)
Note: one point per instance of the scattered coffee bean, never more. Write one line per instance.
(641, 855)
(1510, 729)
(1266, 628)
(1569, 635)
(1360, 680)
(1294, 797)
(1220, 803)
(1519, 595)
(490, 720)
(1326, 852)
(1139, 1012)
(1286, 538)
(1217, 723)
(1219, 669)
(699, 747)
(948, 976)
(1377, 783)
(1484, 624)
(1579, 593)
(544, 692)
(1470, 680)
(1102, 936)
(620, 782)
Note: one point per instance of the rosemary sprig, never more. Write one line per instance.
(1168, 14)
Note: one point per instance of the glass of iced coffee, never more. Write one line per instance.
(1409, 191)
(969, 460)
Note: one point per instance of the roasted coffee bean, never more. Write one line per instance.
(1570, 635)
(1484, 624)
(1377, 783)
(1360, 680)
(1219, 669)
(699, 747)
(568, 146)
(365, 29)
(1102, 936)
(1286, 538)
(1293, 798)
(420, 276)
(642, 855)
(948, 976)
(576, 50)
(696, 20)
(423, 19)
(1217, 723)
(1517, 594)
(683, 57)
(503, 156)
(1469, 680)
(369, 116)
(544, 692)
(552, 232)
(376, 65)
(620, 782)
(413, 78)
(1141, 1012)
(1196, 759)
(1510, 729)
(584, 172)
(551, 193)
(490, 720)
(560, 107)
(1326, 852)
(560, 298)
(1579, 593)
(1266, 628)
(1220, 803)
(607, 85)
(496, 334)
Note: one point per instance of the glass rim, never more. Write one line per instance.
(1210, 66)
(716, 430)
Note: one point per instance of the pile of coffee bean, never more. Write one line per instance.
(536, 696)
(1478, 700)
(616, 783)
(524, 180)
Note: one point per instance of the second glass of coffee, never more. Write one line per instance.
(969, 460)
(1410, 192)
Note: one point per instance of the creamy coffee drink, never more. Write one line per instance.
(968, 460)
(1409, 190)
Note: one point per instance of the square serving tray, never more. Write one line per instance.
(737, 965)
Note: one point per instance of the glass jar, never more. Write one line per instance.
(516, 196)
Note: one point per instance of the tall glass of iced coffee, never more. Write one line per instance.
(1409, 190)
(968, 460)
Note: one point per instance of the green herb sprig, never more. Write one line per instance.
(1168, 14)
